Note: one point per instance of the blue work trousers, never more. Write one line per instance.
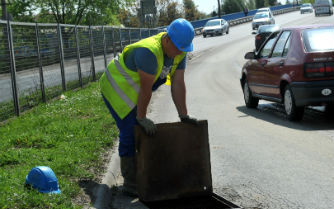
(126, 146)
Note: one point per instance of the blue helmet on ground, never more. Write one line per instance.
(181, 32)
(43, 179)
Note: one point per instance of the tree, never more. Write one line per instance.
(272, 2)
(231, 6)
(251, 4)
(259, 3)
(87, 12)
(190, 10)
(19, 10)
(168, 10)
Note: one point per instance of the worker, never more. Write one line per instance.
(128, 82)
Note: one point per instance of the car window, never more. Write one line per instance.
(261, 15)
(268, 28)
(212, 23)
(279, 47)
(265, 51)
(286, 47)
(318, 39)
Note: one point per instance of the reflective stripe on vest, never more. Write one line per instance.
(125, 75)
(118, 90)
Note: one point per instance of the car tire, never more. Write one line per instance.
(227, 31)
(250, 101)
(204, 36)
(293, 112)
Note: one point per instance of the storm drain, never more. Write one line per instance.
(210, 202)
(174, 168)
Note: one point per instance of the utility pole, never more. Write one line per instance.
(219, 13)
(4, 9)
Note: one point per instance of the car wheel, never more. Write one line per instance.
(250, 101)
(293, 112)
(227, 31)
(204, 36)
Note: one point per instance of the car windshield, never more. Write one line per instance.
(321, 2)
(268, 28)
(306, 5)
(213, 23)
(261, 15)
(319, 39)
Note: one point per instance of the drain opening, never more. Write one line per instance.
(209, 202)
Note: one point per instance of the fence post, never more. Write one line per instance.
(78, 55)
(140, 35)
(149, 32)
(129, 35)
(61, 57)
(13, 68)
(120, 40)
(104, 47)
(41, 76)
(92, 52)
(113, 42)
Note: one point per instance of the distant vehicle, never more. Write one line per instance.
(262, 18)
(323, 7)
(216, 27)
(264, 9)
(307, 7)
(294, 67)
(263, 33)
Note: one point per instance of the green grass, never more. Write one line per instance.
(70, 136)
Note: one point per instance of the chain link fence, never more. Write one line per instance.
(40, 61)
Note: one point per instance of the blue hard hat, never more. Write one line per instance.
(43, 179)
(181, 32)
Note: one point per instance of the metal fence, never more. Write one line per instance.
(40, 61)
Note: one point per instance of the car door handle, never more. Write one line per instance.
(263, 63)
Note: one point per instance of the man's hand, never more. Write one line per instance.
(187, 119)
(148, 125)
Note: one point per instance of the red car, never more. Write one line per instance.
(294, 67)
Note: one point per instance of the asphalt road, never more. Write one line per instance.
(259, 159)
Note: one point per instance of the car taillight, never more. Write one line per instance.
(257, 37)
(313, 70)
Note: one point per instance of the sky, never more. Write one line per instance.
(207, 6)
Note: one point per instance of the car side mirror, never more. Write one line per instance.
(250, 55)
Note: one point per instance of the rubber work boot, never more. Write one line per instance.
(128, 170)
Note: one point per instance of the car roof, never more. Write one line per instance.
(303, 27)
(262, 13)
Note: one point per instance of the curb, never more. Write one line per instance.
(107, 194)
(103, 191)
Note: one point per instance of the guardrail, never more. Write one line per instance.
(249, 18)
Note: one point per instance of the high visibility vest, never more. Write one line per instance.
(120, 85)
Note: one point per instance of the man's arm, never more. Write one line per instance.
(178, 89)
(145, 93)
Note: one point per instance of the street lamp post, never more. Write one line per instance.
(219, 13)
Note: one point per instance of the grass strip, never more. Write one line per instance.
(68, 135)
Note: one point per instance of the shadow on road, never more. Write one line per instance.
(274, 113)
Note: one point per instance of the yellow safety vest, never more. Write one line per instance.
(120, 85)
